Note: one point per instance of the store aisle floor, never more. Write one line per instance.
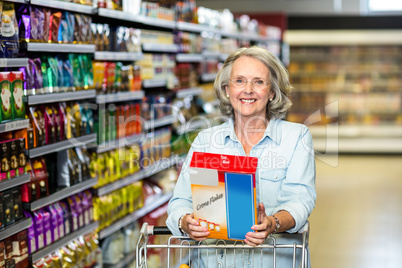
(357, 222)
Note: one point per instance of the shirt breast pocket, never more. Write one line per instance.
(271, 184)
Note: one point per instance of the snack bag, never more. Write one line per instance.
(9, 31)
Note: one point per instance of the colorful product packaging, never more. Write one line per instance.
(41, 175)
(39, 231)
(13, 146)
(224, 197)
(9, 31)
(17, 196)
(46, 221)
(29, 190)
(17, 95)
(5, 160)
(6, 99)
(22, 158)
(8, 207)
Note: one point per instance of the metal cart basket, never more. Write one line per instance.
(189, 251)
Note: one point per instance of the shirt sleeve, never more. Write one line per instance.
(298, 192)
(181, 202)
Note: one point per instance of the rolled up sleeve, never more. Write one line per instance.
(298, 193)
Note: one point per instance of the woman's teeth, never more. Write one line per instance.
(248, 101)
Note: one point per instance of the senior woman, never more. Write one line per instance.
(253, 89)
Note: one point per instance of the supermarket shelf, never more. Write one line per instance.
(193, 27)
(15, 228)
(356, 131)
(208, 77)
(63, 241)
(115, 144)
(358, 145)
(139, 175)
(127, 259)
(159, 48)
(190, 57)
(168, 24)
(164, 121)
(120, 96)
(117, 56)
(160, 200)
(62, 145)
(57, 4)
(149, 83)
(62, 96)
(108, 188)
(182, 93)
(17, 62)
(14, 125)
(60, 195)
(61, 48)
(121, 15)
(16, 181)
(211, 54)
(18, 1)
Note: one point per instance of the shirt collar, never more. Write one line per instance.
(272, 131)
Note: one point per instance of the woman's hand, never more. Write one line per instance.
(265, 226)
(193, 228)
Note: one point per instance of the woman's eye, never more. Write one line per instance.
(239, 81)
(259, 82)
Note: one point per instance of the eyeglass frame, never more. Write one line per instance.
(252, 82)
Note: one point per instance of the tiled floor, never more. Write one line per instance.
(357, 221)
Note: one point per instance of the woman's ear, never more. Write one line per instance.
(226, 90)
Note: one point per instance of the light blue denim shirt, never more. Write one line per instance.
(286, 168)
(286, 180)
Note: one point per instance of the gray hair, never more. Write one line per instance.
(278, 76)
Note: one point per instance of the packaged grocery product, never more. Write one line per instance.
(22, 158)
(99, 70)
(2, 257)
(1, 212)
(84, 159)
(74, 213)
(46, 222)
(68, 76)
(39, 231)
(76, 164)
(9, 31)
(13, 147)
(77, 71)
(60, 75)
(17, 197)
(46, 25)
(87, 115)
(8, 248)
(5, 160)
(54, 223)
(28, 82)
(54, 26)
(38, 125)
(67, 217)
(87, 71)
(66, 172)
(6, 99)
(110, 77)
(56, 208)
(29, 190)
(61, 108)
(19, 241)
(41, 176)
(38, 77)
(18, 93)
(49, 124)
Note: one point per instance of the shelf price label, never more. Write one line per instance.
(18, 124)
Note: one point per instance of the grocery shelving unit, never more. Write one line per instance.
(63, 241)
(361, 79)
(60, 195)
(15, 228)
(91, 95)
(61, 145)
(14, 182)
(60, 97)
(157, 202)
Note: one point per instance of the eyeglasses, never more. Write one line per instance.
(257, 83)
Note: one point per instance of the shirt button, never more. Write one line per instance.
(276, 176)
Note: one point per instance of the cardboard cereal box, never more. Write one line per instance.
(223, 190)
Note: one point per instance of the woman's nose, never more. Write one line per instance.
(248, 88)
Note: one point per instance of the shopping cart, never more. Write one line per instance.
(218, 250)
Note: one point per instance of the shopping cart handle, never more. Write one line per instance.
(158, 230)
